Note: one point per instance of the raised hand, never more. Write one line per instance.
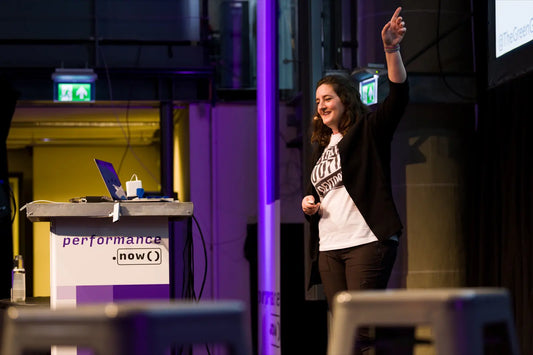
(394, 31)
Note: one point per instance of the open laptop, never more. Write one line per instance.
(111, 180)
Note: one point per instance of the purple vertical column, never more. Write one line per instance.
(268, 181)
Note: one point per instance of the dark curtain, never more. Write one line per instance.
(8, 100)
(500, 246)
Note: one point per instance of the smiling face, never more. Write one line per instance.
(329, 106)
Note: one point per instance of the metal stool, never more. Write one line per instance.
(151, 328)
(40, 328)
(131, 328)
(457, 316)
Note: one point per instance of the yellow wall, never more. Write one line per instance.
(181, 154)
(61, 173)
(14, 185)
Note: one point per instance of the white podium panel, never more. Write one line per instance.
(96, 260)
(110, 251)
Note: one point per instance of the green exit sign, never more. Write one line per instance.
(74, 84)
(74, 92)
(368, 89)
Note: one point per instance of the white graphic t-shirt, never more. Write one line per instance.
(341, 224)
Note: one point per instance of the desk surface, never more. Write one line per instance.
(30, 302)
(43, 212)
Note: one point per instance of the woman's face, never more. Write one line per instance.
(329, 106)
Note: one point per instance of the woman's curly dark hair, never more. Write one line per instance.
(348, 93)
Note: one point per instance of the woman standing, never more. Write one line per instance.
(355, 226)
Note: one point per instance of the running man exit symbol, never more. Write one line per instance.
(74, 92)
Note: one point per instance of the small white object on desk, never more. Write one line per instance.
(133, 185)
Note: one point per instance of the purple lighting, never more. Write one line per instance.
(268, 181)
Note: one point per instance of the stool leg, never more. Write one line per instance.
(343, 335)
(472, 337)
(453, 335)
(238, 343)
(511, 333)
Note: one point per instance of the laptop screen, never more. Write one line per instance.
(111, 180)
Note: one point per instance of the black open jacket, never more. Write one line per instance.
(365, 164)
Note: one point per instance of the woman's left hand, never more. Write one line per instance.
(394, 31)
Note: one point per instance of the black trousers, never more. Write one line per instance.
(364, 267)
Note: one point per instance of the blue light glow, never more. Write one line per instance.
(268, 182)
